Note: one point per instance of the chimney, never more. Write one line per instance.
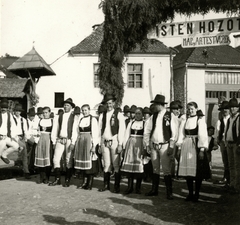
(236, 40)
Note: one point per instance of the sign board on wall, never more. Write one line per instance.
(199, 33)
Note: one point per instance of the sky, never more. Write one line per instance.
(54, 26)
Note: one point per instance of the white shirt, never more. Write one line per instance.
(18, 126)
(218, 124)
(3, 128)
(107, 135)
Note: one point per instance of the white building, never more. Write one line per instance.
(145, 75)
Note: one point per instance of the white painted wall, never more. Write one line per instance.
(74, 77)
(196, 87)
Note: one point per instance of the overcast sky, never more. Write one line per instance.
(54, 25)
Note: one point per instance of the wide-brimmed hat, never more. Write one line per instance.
(69, 101)
(18, 107)
(133, 108)
(101, 109)
(233, 102)
(108, 97)
(39, 110)
(179, 104)
(224, 105)
(4, 104)
(77, 110)
(159, 99)
(126, 109)
(174, 105)
(31, 112)
(146, 110)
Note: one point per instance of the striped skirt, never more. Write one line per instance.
(42, 151)
(83, 159)
(132, 162)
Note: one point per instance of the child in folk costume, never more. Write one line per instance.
(85, 159)
(44, 152)
(192, 144)
(134, 150)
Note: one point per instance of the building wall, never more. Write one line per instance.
(74, 77)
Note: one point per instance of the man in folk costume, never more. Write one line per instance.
(8, 136)
(160, 135)
(62, 142)
(218, 138)
(22, 136)
(232, 141)
(112, 128)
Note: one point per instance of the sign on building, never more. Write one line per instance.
(199, 33)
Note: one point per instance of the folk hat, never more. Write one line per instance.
(233, 102)
(18, 107)
(133, 108)
(76, 110)
(31, 112)
(174, 105)
(4, 104)
(224, 105)
(69, 101)
(146, 110)
(39, 110)
(126, 109)
(108, 97)
(179, 104)
(159, 99)
(101, 109)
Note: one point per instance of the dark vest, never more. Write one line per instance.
(8, 123)
(69, 125)
(47, 129)
(86, 129)
(165, 125)
(114, 122)
(137, 132)
(234, 130)
(221, 130)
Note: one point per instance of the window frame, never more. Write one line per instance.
(135, 81)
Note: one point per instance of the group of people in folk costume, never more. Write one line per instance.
(123, 142)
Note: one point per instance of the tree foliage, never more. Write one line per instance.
(127, 23)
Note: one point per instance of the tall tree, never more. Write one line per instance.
(127, 23)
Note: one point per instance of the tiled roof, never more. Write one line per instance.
(5, 62)
(224, 54)
(92, 43)
(12, 88)
(34, 63)
(238, 48)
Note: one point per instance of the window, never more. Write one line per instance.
(59, 99)
(215, 94)
(96, 76)
(222, 78)
(233, 94)
(135, 76)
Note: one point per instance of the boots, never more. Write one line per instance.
(84, 183)
(168, 183)
(155, 183)
(41, 175)
(57, 178)
(190, 189)
(89, 182)
(198, 184)
(106, 182)
(48, 173)
(117, 182)
(138, 185)
(68, 177)
(130, 186)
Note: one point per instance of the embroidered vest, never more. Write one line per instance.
(88, 128)
(23, 133)
(234, 130)
(8, 123)
(69, 125)
(114, 123)
(165, 125)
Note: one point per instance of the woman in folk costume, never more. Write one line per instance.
(133, 144)
(192, 143)
(44, 151)
(87, 138)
